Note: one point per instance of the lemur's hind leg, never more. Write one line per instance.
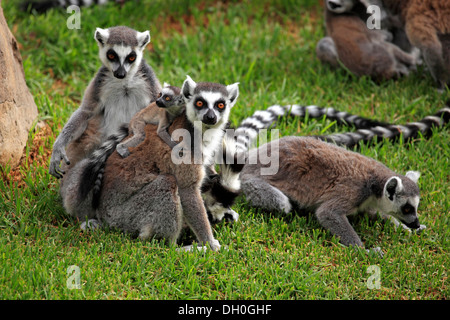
(137, 129)
(326, 51)
(263, 195)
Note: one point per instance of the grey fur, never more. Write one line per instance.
(147, 194)
(108, 102)
(361, 50)
(332, 182)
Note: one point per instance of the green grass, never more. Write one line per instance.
(268, 48)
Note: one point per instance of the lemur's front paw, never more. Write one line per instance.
(122, 150)
(59, 153)
(420, 229)
(215, 245)
(231, 216)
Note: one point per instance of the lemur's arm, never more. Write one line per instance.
(163, 127)
(73, 129)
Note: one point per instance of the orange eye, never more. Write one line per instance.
(167, 98)
(159, 95)
(132, 58)
(221, 105)
(199, 103)
(111, 56)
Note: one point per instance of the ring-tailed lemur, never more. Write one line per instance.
(124, 85)
(427, 26)
(162, 112)
(45, 5)
(364, 51)
(327, 179)
(148, 193)
(368, 130)
(333, 183)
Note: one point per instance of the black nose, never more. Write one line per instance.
(209, 118)
(413, 225)
(120, 73)
(160, 103)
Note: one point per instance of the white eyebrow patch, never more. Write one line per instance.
(122, 52)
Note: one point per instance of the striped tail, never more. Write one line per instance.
(392, 132)
(368, 129)
(263, 119)
(44, 6)
(92, 175)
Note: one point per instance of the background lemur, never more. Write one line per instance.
(124, 85)
(42, 6)
(147, 193)
(162, 112)
(333, 183)
(427, 26)
(362, 50)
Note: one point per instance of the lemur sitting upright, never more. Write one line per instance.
(162, 112)
(362, 50)
(427, 26)
(124, 85)
(149, 193)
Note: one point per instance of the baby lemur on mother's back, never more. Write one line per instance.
(169, 105)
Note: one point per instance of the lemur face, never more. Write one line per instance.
(121, 49)
(169, 96)
(340, 6)
(207, 102)
(401, 199)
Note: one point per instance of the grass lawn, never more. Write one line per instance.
(269, 48)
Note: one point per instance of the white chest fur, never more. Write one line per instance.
(121, 99)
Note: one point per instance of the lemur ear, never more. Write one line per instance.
(166, 85)
(233, 92)
(143, 38)
(413, 175)
(393, 186)
(188, 87)
(101, 35)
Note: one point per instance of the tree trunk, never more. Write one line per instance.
(17, 107)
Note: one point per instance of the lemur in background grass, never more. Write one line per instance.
(124, 85)
(427, 26)
(41, 6)
(365, 52)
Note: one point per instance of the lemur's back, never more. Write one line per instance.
(312, 171)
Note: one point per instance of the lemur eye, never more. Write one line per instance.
(199, 103)
(167, 98)
(111, 56)
(221, 105)
(131, 58)
(160, 95)
(407, 208)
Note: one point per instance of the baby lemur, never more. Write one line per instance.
(153, 192)
(169, 105)
(362, 50)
